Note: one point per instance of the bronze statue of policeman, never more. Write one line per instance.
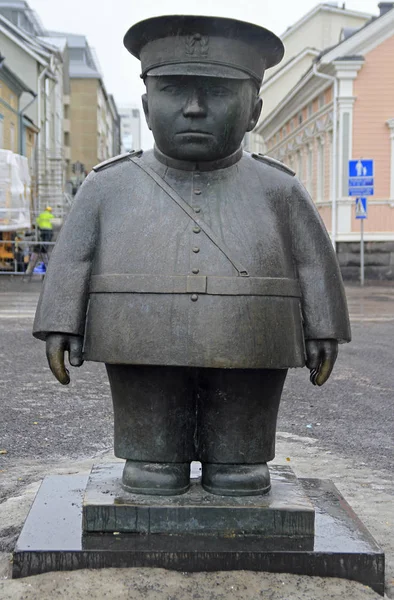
(198, 273)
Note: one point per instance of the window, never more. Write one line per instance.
(77, 54)
(310, 109)
(1, 131)
(309, 172)
(322, 101)
(12, 137)
(300, 118)
(299, 166)
(320, 170)
(284, 132)
(135, 113)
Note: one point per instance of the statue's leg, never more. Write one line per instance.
(154, 416)
(237, 413)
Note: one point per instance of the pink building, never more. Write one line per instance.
(343, 108)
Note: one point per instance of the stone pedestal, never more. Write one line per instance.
(53, 539)
(286, 514)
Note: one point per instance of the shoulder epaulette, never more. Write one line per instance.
(115, 159)
(273, 163)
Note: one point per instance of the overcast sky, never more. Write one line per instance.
(105, 23)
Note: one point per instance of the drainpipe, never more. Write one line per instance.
(334, 182)
(38, 149)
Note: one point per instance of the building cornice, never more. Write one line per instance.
(305, 133)
(310, 85)
(348, 68)
(288, 66)
(23, 45)
(364, 40)
(13, 81)
(306, 89)
(323, 8)
(390, 125)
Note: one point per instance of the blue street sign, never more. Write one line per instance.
(361, 182)
(361, 208)
(361, 177)
(361, 191)
(361, 168)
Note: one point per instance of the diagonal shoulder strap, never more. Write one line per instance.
(190, 213)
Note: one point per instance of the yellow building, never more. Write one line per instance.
(91, 120)
(9, 118)
(16, 131)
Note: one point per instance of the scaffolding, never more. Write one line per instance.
(15, 192)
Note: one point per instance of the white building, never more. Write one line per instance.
(320, 28)
(130, 127)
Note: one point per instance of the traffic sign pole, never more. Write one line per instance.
(361, 252)
(361, 184)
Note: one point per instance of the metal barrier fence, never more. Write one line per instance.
(21, 257)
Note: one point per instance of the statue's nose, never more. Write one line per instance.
(194, 106)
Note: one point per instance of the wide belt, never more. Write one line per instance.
(194, 284)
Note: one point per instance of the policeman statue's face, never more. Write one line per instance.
(200, 118)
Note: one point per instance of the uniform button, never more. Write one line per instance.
(195, 271)
(194, 297)
(196, 229)
(197, 209)
(197, 192)
(196, 249)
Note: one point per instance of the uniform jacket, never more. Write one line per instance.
(134, 275)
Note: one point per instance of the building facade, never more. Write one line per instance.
(320, 28)
(77, 121)
(342, 108)
(91, 126)
(130, 127)
(39, 66)
(12, 126)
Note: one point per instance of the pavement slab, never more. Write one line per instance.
(158, 584)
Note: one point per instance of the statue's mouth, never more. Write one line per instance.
(194, 132)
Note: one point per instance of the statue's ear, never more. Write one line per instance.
(146, 109)
(258, 107)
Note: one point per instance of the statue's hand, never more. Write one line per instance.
(320, 359)
(56, 346)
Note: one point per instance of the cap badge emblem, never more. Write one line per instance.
(197, 45)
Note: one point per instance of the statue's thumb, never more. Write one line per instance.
(76, 359)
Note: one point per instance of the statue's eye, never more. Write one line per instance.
(218, 91)
(172, 88)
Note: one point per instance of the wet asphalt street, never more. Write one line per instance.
(352, 416)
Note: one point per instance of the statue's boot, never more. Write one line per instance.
(159, 479)
(236, 480)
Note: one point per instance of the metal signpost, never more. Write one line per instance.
(361, 184)
(361, 213)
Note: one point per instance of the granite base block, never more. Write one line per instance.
(286, 512)
(52, 540)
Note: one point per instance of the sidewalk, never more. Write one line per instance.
(370, 492)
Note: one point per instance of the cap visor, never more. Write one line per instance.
(198, 69)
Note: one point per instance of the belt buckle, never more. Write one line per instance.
(196, 284)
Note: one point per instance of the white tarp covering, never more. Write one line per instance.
(14, 192)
